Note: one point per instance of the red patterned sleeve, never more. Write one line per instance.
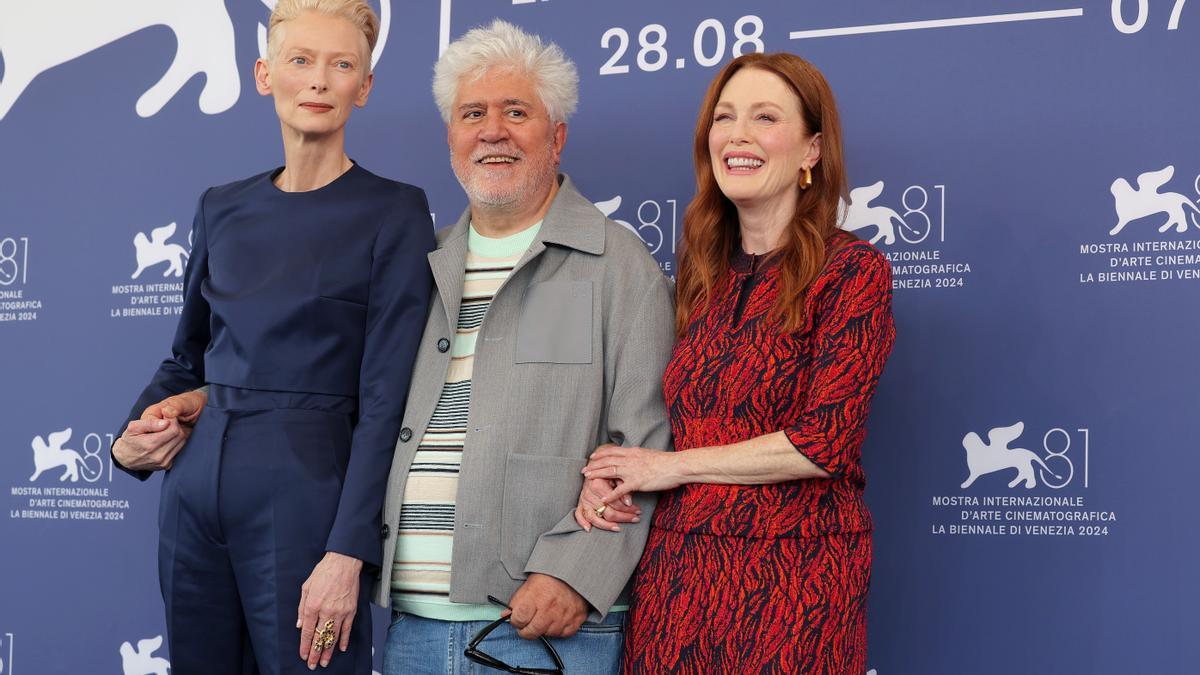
(852, 335)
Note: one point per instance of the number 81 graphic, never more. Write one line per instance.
(14, 260)
(1058, 457)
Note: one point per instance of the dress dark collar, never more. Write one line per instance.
(746, 263)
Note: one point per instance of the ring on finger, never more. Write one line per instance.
(324, 638)
(599, 510)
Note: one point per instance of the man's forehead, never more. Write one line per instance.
(497, 86)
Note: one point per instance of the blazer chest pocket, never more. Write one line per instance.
(555, 325)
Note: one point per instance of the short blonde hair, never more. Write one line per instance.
(357, 12)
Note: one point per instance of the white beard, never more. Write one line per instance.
(481, 193)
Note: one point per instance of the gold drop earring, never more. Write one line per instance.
(807, 182)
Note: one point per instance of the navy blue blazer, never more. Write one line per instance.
(321, 292)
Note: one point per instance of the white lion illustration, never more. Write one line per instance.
(142, 661)
(609, 207)
(859, 214)
(995, 455)
(37, 36)
(52, 455)
(1146, 200)
(154, 249)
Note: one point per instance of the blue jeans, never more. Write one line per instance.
(419, 646)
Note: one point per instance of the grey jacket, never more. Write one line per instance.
(570, 355)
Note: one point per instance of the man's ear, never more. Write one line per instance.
(560, 139)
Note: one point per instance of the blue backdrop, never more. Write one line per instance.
(1031, 168)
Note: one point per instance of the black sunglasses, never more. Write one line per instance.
(473, 652)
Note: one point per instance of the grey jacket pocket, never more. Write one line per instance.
(539, 491)
(555, 325)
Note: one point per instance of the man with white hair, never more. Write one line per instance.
(549, 330)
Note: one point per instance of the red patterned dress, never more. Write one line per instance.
(769, 578)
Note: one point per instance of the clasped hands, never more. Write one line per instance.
(151, 443)
(612, 474)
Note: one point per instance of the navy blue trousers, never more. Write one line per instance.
(245, 513)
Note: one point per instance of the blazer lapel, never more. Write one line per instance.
(571, 221)
(448, 263)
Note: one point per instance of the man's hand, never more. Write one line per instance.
(546, 606)
(329, 594)
(151, 443)
(595, 509)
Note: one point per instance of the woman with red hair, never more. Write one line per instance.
(759, 555)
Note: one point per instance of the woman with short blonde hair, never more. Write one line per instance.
(304, 299)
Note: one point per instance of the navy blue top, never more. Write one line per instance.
(318, 292)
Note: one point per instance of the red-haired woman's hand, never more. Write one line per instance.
(634, 469)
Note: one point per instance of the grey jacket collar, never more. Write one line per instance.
(572, 221)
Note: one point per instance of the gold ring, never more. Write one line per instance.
(324, 638)
(600, 510)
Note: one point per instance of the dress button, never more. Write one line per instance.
(443, 345)
(405, 435)
(384, 531)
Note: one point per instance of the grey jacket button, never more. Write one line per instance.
(384, 531)
(405, 435)
(443, 345)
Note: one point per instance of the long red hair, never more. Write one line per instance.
(710, 223)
